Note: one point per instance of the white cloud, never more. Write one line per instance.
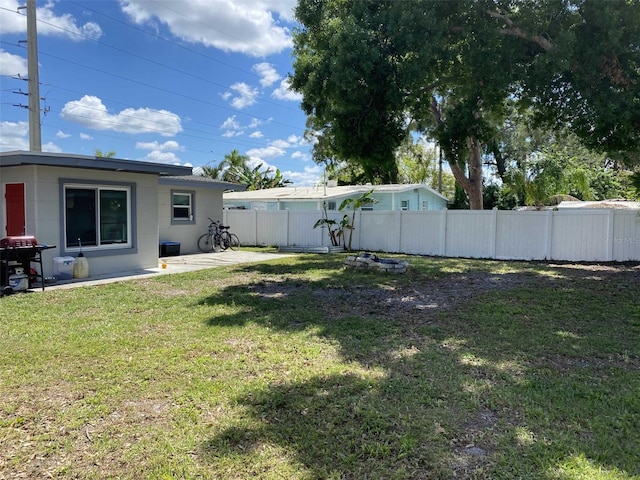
(49, 23)
(85, 136)
(12, 64)
(266, 152)
(284, 92)
(157, 156)
(245, 95)
(51, 147)
(14, 136)
(232, 126)
(309, 177)
(230, 123)
(256, 134)
(268, 74)
(161, 152)
(90, 112)
(304, 156)
(255, 123)
(168, 146)
(232, 133)
(280, 144)
(247, 26)
(61, 134)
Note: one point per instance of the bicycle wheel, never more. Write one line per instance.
(234, 241)
(219, 242)
(205, 243)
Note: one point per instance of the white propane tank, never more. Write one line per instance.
(81, 267)
(19, 281)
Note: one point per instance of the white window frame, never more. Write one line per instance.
(190, 219)
(404, 205)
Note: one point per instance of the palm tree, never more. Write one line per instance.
(227, 170)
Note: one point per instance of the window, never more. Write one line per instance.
(404, 205)
(425, 205)
(331, 205)
(97, 216)
(182, 206)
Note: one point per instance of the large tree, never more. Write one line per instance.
(369, 69)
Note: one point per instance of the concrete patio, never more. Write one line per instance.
(173, 264)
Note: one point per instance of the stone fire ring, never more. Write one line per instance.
(370, 261)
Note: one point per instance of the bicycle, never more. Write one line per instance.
(218, 238)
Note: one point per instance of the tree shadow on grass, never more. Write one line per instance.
(530, 379)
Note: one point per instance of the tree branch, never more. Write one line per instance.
(516, 31)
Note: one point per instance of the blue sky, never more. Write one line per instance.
(170, 81)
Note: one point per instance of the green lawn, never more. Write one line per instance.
(300, 369)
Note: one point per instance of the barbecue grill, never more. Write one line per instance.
(20, 251)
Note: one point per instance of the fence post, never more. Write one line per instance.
(443, 234)
(494, 233)
(610, 235)
(400, 232)
(255, 225)
(287, 221)
(548, 235)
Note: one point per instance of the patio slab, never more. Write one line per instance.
(174, 264)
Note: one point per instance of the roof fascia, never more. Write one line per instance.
(11, 159)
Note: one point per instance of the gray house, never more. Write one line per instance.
(411, 197)
(118, 211)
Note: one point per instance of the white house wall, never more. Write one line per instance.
(207, 204)
(42, 192)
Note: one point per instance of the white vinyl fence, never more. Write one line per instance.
(571, 235)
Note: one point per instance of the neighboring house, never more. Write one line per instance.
(412, 197)
(118, 211)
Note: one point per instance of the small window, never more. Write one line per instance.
(182, 206)
(425, 205)
(331, 205)
(404, 205)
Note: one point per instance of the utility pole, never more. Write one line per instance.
(35, 138)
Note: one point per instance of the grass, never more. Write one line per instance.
(300, 369)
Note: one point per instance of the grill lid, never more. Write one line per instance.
(18, 241)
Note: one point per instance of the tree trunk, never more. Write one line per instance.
(472, 185)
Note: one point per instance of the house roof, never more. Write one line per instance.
(321, 192)
(18, 158)
(615, 203)
(197, 181)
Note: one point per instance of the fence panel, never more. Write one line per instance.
(379, 231)
(421, 232)
(470, 234)
(272, 227)
(243, 224)
(522, 235)
(580, 235)
(625, 241)
(575, 235)
(301, 231)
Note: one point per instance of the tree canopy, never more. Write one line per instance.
(369, 70)
(236, 168)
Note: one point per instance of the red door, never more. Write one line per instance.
(14, 196)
